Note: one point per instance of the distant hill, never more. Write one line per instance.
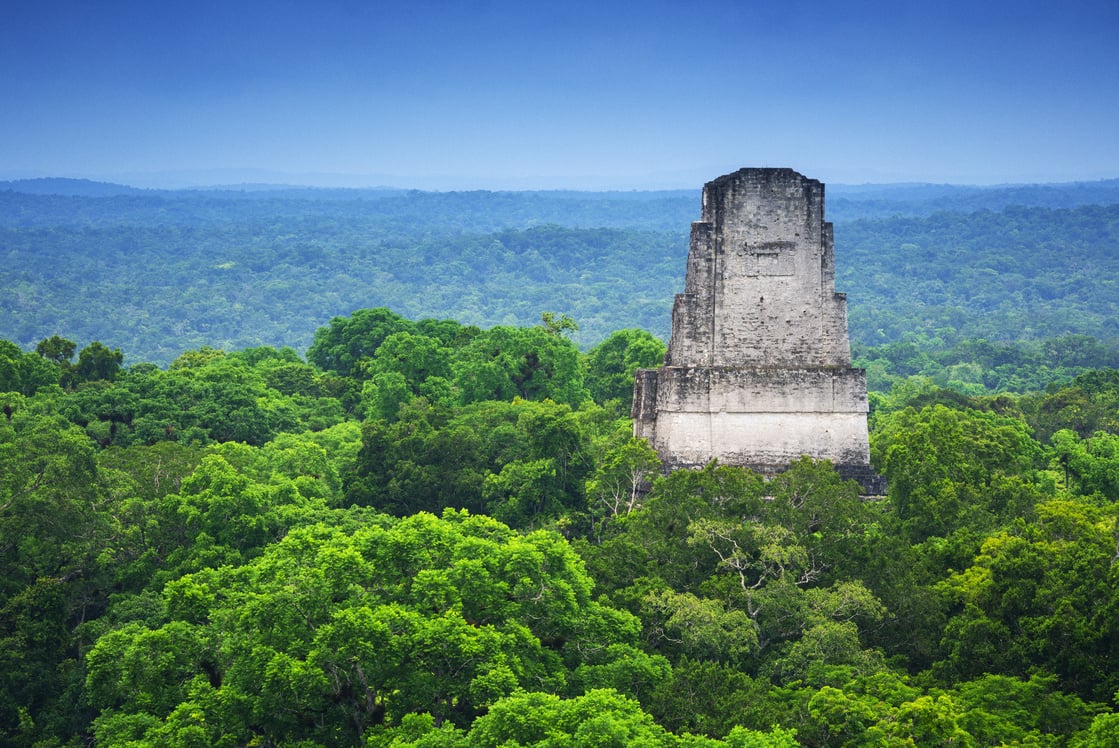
(157, 272)
(504, 209)
(850, 202)
(66, 186)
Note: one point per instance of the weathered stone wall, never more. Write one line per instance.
(760, 283)
(758, 370)
(761, 418)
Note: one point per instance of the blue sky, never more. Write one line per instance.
(609, 94)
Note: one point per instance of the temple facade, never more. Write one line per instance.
(758, 370)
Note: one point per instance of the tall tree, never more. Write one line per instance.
(346, 341)
(95, 362)
(56, 349)
(611, 364)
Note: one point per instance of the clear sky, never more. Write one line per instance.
(449, 94)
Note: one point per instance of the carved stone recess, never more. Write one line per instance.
(758, 370)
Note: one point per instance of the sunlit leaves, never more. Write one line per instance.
(611, 364)
(939, 461)
(1040, 596)
(445, 616)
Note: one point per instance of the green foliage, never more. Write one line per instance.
(977, 366)
(330, 633)
(611, 364)
(505, 362)
(96, 362)
(560, 325)
(712, 698)
(1040, 596)
(627, 465)
(453, 365)
(416, 358)
(600, 717)
(1021, 274)
(1088, 404)
(760, 583)
(49, 488)
(947, 467)
(523, 462)
(52, 534)
(56, 349)
(159, 274)
(196, 555)
(25, 373)
(204, 397)
(339, 347)
(1103, 732)
(1089, 466)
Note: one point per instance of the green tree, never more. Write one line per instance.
(415, 357)
(54, 538)
(620, 479)
(330, 633)
(56, 349)
(197, 358)
(25, 373)
(611, 364)
(940, 462)
(1090, 465)
(560, 325)
(506, 362)
(1039, 597)
(524, 462)
(346, 341)
(600, 717)
(95, 362)
(10, 357)
(1103, 732)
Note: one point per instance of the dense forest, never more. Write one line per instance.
(290, 467)
(156, 273)
(429, 533)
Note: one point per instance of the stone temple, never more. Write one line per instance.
(758, 370)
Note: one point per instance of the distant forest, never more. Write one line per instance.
(928, 269)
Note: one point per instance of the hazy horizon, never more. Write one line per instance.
(493, 94)
(234, 180)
